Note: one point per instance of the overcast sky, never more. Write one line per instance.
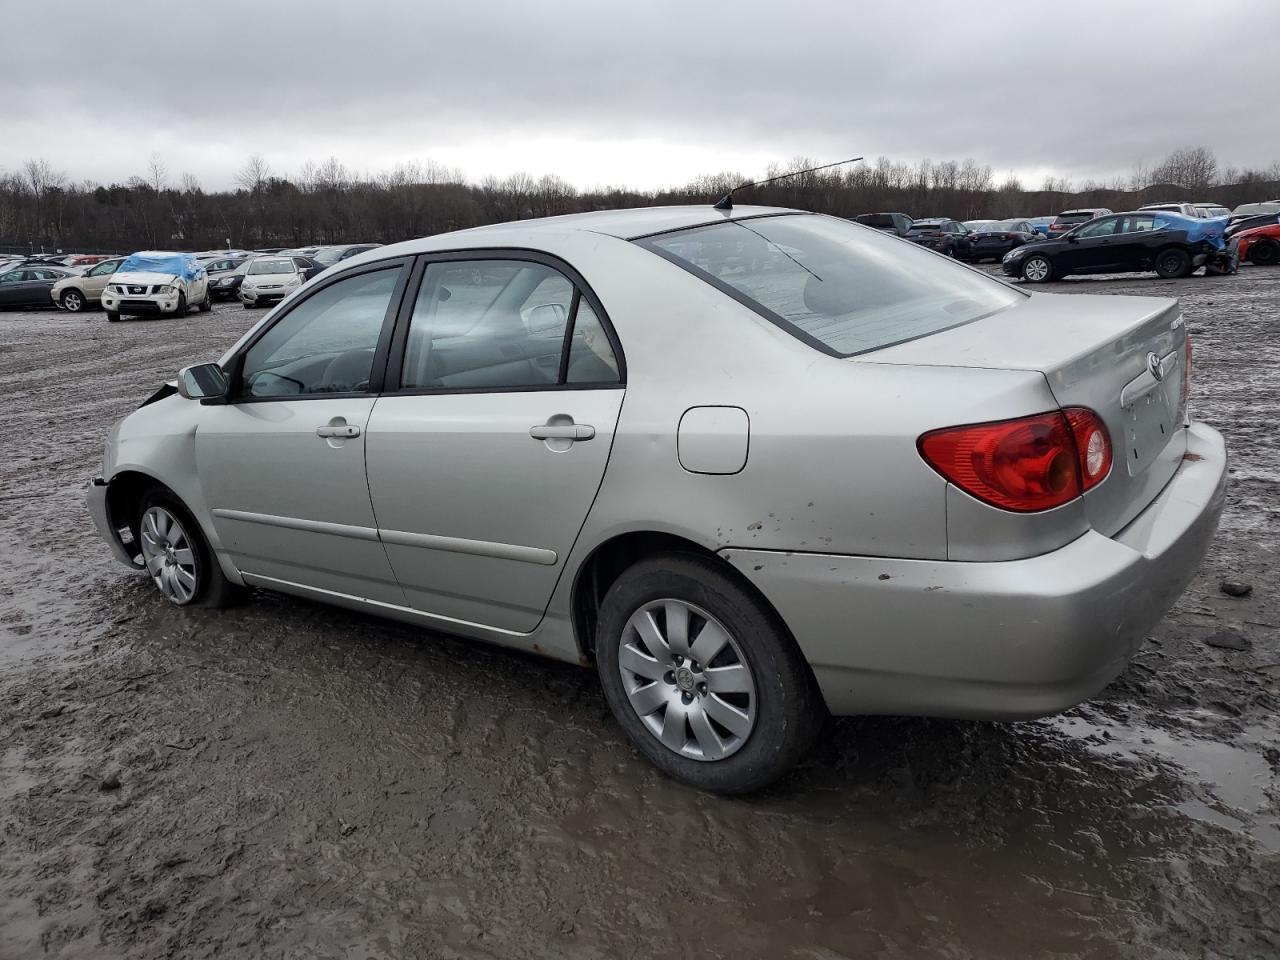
(648, 93)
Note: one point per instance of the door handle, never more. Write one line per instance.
(562, 431)
(344, 431)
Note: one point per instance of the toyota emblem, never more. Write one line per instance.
(1156, 366)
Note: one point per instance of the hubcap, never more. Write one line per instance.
(687, 680)
(168, 555)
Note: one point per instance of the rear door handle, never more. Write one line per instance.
(339, 431)
(562, 431)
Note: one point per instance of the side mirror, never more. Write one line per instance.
(546, 317)
(1071, 238)
(204, 381)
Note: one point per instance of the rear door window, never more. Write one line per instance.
(503, 325)
(842, 290)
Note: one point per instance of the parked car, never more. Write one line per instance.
(1070, 219)
(1170, 244)
(992, 239)
(76, 293)
(1260, 245)
(795, 513)
(1237, 225)
(898, 224)
(943, 234)
(29, 285)
(1185, 208)
(225, 283)
(1040, 224)
(1211, 210)
(329, 256)
(269, 280)
(157, 283)
(1256, 209)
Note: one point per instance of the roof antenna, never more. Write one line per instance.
(726, 202)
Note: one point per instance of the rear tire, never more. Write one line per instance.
(1264, 253)
(1037, 269)
(178, 558)
(1172, 263)
(732, 724)
(113, 316)
(207, 303)
(72, 300)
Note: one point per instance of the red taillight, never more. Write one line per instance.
(1025, 465)
(1093, 444)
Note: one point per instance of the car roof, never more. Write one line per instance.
(629, 224)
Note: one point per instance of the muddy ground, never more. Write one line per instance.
(298, 781)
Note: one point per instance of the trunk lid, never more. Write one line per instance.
(1095, 352)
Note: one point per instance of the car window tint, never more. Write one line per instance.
(1138, 223)
(487, 324)
(1099, 229)
(591, 356)
(848, 289)
(12, 277)
(325, 344)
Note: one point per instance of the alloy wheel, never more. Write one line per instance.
(168, 554)
(72, 301)
(687, 679)
(1036, 269)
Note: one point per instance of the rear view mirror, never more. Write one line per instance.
(204, 381)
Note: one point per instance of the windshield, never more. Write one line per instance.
(328, 256)
(271, 266)
(841, 289)
(1073, 218)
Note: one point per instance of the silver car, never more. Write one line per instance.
(756, 465)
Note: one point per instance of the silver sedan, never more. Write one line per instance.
(755, 465)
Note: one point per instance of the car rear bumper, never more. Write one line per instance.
(1002, 640)
(100, 511)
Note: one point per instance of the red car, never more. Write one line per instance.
(87, 259)
(1260, 245)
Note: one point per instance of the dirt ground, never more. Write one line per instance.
(289, 780)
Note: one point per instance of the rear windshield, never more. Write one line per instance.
(919, 225)
(840, 289)
(271, 266)
(1074, 218)
(876, 220)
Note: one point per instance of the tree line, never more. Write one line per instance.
(42, 209)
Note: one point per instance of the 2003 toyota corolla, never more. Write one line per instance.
(756, 465)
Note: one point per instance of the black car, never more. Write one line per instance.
(895, 223)
(29, 285)
(225, 277)
(947, 236)
(329, 256)
(992, 239)
(1119, 243)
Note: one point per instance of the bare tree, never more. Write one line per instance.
(1192, 167)
(254, 174)
(157, 173)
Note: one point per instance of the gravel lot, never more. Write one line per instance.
(290, 780)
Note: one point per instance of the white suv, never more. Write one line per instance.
(154, 283)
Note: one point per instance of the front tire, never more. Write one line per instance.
(182, 306)
(113, 316)
(1172, 264)
(702, 677)
(1264, 253)
(176, 556)
(1037, 269)
(72, 301)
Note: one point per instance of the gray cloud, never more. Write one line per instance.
(648, 94)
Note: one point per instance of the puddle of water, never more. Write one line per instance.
(1235, 776)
